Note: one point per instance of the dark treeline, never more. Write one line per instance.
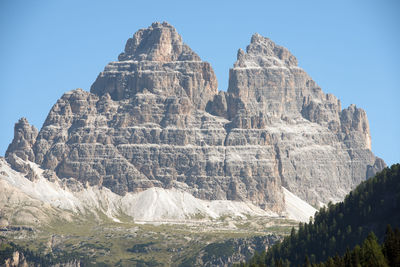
(373, 205)
(370, 253)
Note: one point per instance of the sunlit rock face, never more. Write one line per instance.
(155, 118)
(156, 60)
(321, 150)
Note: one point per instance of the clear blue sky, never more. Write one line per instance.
(350, 48)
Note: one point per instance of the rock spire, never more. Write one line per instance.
(156, 60)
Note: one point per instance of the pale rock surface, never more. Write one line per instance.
(296, 208)
(156, 60)
(17, 260)
(24, 138)
(154, 119)
(22, 147)
(321, 151)
(23, 201)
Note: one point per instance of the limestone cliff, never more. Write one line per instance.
(156, 60)
(321, 150)
(156, 119)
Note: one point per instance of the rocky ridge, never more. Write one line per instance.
(155, 118)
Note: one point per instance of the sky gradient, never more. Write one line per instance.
(350, 48)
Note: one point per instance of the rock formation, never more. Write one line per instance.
(21, 148)
(155, 118)
(24, 138)
(232, 251)
(321, 150)
(156, 60)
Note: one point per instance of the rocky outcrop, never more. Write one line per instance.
(379, 165)
(155, 119)
(232, 251)
(24, 138)
(18, 259)
(21, 148)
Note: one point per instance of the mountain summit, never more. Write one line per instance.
(155, 119)
(159, 42)
(156, 60)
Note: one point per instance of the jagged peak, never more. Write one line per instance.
(159, 42)
(22, 121)
(22, 125)
(263, 52)
(24, 137)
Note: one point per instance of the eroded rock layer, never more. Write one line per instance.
(156, 119)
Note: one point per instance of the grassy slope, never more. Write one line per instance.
(128, 243)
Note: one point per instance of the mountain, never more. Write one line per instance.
(156, 166)
(155, 120)
(372, 206)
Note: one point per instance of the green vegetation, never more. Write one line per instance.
(219, 249)
(370, 253)
(104, 242)
(6, 251)
(369, 208)
(37, 259)
(94, 239)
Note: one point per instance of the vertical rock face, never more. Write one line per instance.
(155, 118)
(159, 42)
(24, 138)
(157, 60)
(321, 150)
(21, 148)
(267, 83)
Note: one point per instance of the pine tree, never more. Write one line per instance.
(391, 246)
(396, 256)
(372, 253)
(339, 262)
(348, 259)
(330, 263)
(356, 256)
(372, 205)
(307, 262)
(279, 263)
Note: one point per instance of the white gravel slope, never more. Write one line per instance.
(152, 205)
(296, 208)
